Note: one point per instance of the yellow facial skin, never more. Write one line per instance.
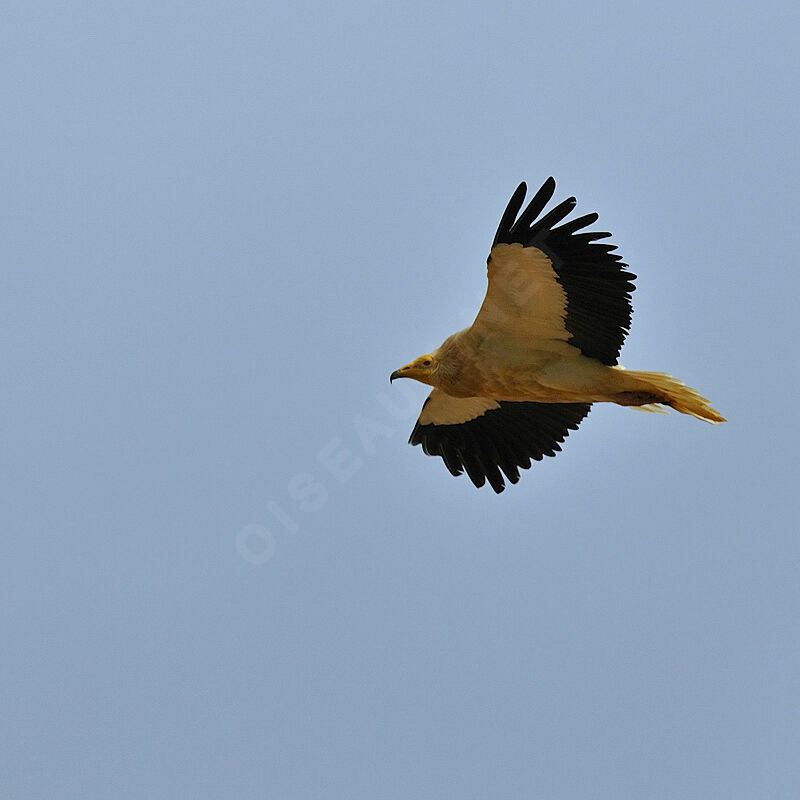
(421, 369)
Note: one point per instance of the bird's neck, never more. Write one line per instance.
(453, 375)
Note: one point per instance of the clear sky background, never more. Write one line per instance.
(224, 573)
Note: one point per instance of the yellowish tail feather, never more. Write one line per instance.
(676, 394)
(652, 408)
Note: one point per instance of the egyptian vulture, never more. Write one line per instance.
(543, 348)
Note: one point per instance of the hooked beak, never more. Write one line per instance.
(398, 373)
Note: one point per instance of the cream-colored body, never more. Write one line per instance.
(472, 366)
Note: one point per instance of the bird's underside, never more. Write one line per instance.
(543, 348)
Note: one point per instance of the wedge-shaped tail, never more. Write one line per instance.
(646, 388)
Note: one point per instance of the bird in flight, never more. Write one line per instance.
(543, 348)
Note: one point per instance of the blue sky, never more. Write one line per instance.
(224, 571)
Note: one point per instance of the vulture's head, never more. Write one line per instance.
(420, 369)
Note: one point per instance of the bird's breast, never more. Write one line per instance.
(500, 376)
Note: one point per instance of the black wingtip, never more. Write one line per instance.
(510, 214)
(518, 198)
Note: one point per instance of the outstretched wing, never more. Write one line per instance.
(555, 283)
(484, 436)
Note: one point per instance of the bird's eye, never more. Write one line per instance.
(426, 362)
